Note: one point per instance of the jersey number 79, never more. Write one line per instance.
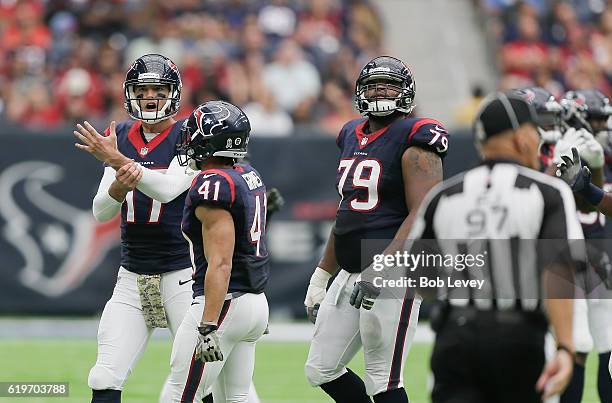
(366, 175)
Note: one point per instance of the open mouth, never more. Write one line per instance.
(150, 106)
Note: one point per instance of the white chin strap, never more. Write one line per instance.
(382, 107)
(550, 136)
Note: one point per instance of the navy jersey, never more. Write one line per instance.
(371, 184)
(240, 191)
(594, 223)
(151, 238)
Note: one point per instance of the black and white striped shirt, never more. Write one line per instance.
(518, 217)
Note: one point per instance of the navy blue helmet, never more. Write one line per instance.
(214, 129)
(385, 85)
(152, 69)
(549, 112)
(589, 109)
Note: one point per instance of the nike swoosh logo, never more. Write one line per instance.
(440, 129)
(207, 176)
(185, 282)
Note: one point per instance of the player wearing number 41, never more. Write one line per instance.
(388, 162)
(224, 222)
(144, 181)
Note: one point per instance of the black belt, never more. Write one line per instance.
(507, 317)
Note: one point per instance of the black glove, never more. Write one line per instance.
(364, 294)
(275, 201)
(313, 312)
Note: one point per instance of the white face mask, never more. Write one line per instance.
(382, 107)
(151, 117)
(550, 136)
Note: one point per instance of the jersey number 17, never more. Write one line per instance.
(154, 213)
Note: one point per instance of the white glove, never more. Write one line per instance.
(208, 348)
(572, 172)
(317, 289)
(589, 149)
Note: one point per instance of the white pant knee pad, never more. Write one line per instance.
(102, 378)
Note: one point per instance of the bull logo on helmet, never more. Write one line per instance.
(208, 122)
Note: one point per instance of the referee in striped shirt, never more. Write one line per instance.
(490, 341)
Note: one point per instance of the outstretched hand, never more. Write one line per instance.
(572, 172)
(104, 148)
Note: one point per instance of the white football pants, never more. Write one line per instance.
(385, 332)
(123, 334)
(242, 322)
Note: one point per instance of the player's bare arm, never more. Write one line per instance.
(328, 266)
(103, 148)
(317, 286)
(605, 206)
(328, 261)
(557, 373)
(422, 170)
(118, 192)
(218, 234)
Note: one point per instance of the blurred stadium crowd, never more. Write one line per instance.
(290, 63)
(555, 44)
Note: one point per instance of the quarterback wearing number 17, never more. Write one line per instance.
(144, 184)
(388, 163)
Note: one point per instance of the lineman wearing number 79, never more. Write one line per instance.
(388, 163)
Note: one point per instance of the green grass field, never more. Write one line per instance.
(279, 373)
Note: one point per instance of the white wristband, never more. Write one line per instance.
(320, 277)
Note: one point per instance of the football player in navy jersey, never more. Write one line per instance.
(388, 162)
(144, 180)
(589, 111)
(224, 223)
(145, 184)
(550, 121)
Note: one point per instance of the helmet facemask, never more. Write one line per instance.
(550, 122)
(163, 107)
(383, 94)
